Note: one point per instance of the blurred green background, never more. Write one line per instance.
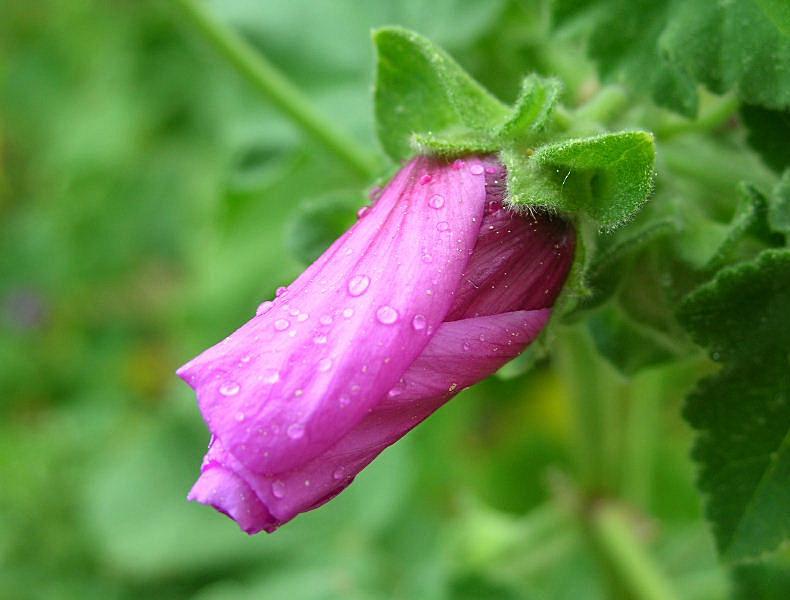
(147, 202)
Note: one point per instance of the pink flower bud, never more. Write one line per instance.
(434, 288)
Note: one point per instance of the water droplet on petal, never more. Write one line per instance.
(348, 313)
(324, 364)
(230, 389)
(387, 315)
(358, 284)
(426, 258)
(476, 169)
(418, 322)
(394, 392)
(264, 307)
(278, 489)
(281, 324)
(326, 320)
(458, 164)
(280, 291)
(298, 393)
(338, 473)
(453, 387)
(466, 347)
(294, 311)
(362, 212)
(303, 317)
(320, 340)
(295, 431)
(442, 226)
(239, 416)
(436, 201)
(425, 179)
(270, 376)
(344, 400)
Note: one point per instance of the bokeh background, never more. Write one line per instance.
(149, 200)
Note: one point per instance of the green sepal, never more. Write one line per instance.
(532, 112)
(421, 89)
(605, 177)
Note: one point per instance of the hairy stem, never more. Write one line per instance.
(270, 82)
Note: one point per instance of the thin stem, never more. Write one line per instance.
(630, 562)
(270, 82)
(594, 393)
(711, 119)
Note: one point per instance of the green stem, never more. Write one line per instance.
(594, 394)
(633, 566)
(269, 81)
(606, 106)
(713, 118)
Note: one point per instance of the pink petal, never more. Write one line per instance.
(292, 381)
(441, 371)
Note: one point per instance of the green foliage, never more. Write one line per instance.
(666, 47)
(743, 411)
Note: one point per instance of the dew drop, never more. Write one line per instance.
(362, 212)
(264, 307)
(358, 284)
(348, 313)
(442, 226)
(280, 291)
(426, 258)
(278, 489)
(476, 169)
(325, 320)
(239, 416)
(458, 164)
(324, 364)
(230, 389)
(344, 400)
(418, 322)
(426, 179)
(436, 201)
(299, 393)
(453, 387)
(387, 315)
(295, 431)
(294, 311)
(303, 317)
(339, 472)
(394, 392)
(270, 376)
(281, 324)
(466, 347)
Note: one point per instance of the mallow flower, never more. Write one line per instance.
(435, 287)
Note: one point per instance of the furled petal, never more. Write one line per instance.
(519, 261)
(459, 354)
(296, 378)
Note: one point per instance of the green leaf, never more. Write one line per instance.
(628, 345)
(624, 42)
(742, 413)
(421, 89)
(606, 177)
(666, 47)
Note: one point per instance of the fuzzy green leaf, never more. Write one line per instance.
(742, 413)
(420, 89)
(607, 177)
